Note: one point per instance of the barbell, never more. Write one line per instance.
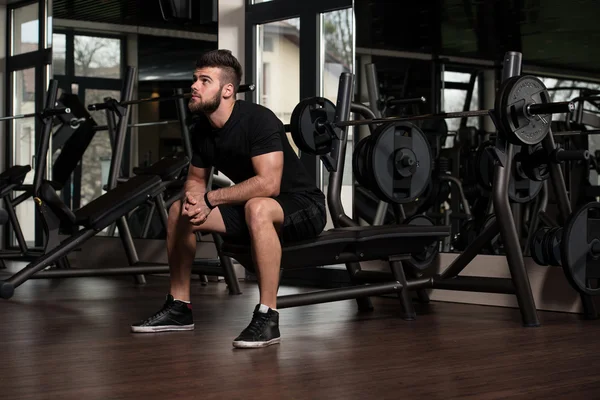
(104, 105)
(51, 112)
(522, 111)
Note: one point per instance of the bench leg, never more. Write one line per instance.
(364, 303)
(408, 310)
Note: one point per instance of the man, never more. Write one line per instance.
(273, 199)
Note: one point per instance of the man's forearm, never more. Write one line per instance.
(257, 186)
(194, 186)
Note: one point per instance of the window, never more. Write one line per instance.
(279, 85)
(23, 140)
(97, 57)
(99, 151)
(25, 29)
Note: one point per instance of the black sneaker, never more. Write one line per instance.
(263, 331)
(174, 316)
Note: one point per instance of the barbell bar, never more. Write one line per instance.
(44, 114)
(104, 105)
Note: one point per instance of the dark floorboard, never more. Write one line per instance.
(70, 339)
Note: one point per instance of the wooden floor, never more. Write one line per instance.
(70, 339)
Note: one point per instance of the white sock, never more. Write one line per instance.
(264, 309)
(186, 302)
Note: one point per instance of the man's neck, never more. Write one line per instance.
(219, 118)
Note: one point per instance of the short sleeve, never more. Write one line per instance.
(197, 160)
(266, 136)
(196, 136)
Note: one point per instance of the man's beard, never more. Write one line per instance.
(205, 106)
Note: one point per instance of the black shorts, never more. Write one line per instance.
(304, 218)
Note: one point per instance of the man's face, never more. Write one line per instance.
(206, 91)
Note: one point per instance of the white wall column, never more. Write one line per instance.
(232, 22)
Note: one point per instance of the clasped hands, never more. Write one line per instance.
(195, 208)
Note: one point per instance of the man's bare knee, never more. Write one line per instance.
(262, 211)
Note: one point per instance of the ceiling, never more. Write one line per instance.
(136, 12)
(547, 32)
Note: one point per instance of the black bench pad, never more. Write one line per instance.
(167, 168)
(117, 202)
(14, 175)
(362, 243)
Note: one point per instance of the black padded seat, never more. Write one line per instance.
(167, 168)
(339, 245)
(117, 202)
(14, 175)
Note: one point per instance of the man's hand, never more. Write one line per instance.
(195, 208)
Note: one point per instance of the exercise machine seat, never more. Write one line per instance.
(14, 175)
(334, 246)
(117, 202)
(167, 168)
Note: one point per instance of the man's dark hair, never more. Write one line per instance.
(230, 66)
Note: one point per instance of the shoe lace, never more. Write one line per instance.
(257, 324)
(165, 310)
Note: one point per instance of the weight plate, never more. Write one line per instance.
(581, 248)
(555, 251)
(308, 122)
(422, 259)
(521, 189)
(516, 94)
(358, 162)
(530, 159)
(536, 248)
(484, 166)
(400, 161)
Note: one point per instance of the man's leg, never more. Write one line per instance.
(264, 217)
(176, 313)
(181, 247)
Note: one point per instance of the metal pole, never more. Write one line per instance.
(342, 113)
(185, 132)
(42, 151)
(506, 223)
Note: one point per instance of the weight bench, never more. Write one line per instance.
(392, 243)
(92, 218)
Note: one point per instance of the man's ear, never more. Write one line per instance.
(228, 91)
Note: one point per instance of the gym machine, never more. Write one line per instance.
(393, 158)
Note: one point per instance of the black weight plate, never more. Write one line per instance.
(529, 163)
(421, 260)
(358, 162)
(515, 95)
(387, 140)
(304, 120)
(547, 245)
(555, 251)
(522, 190)
(536, 244)
(577, 263)
(484, 166)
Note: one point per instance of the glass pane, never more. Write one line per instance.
(94, 170)
(338, 52)
(97, 57)
(278, 68)
(25, 32)
(23, 134)
(59, 53)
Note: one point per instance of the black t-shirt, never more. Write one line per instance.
(250, 131)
